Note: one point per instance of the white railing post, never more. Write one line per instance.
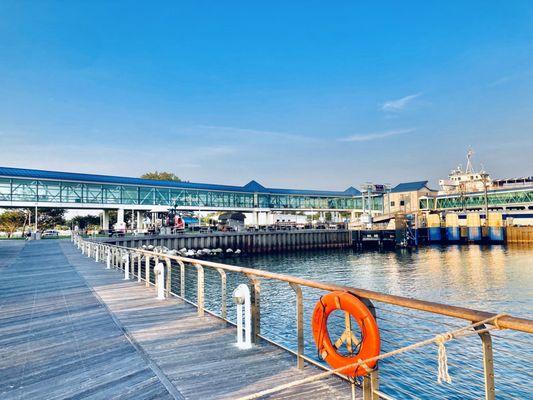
(159, 271)
(241, 296)
(89, 249)
(108, 266)
(139, 266)
(126, 258)
(97, 254)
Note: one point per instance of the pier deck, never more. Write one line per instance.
(71, 328)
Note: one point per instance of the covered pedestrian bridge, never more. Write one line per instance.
(30, 188)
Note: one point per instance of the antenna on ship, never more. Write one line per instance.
(469, 167)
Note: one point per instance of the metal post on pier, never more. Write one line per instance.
(488, 362)
(200, 285)
(223, 311)
(147, 270)
(159, 272)
(168, 282)
(256, 310)
(126, 258)
(139, 267)
(299, 324)
(182, 279)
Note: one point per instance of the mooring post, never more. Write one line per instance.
(241, 297)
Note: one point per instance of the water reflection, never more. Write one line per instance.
(492, 278)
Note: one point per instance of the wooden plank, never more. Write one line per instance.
(71, 328)
(56, 340)
(198, 354)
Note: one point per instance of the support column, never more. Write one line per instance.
(268, 215)
(120, 216)
(139, 223)
(120, 225)
(105, 220)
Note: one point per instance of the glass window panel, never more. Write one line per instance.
(129, 195)
(72, 193)
(49, 191)
(5, 189)
(93, 194)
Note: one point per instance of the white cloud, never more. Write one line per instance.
(399, 104)
(378, 135)
(230, 130)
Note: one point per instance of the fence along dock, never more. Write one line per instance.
(71, 327)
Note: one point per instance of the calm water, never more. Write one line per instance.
(495, 278)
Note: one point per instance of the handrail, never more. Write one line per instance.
(370, 384)
(507, 322)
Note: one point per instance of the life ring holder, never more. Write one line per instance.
(370, 343)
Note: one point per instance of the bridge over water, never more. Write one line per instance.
(38, 188)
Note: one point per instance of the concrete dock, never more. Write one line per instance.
(69, 328)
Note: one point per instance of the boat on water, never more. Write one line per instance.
(469, 180)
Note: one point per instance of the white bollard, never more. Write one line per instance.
(126, 259)
(97, 254)
(159, 271)
(241, 296)
(89, 248)
(108, 266)
(83, 249)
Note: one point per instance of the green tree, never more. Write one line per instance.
(161, 176)
(49, 218)
(11, 220)
(84, 221)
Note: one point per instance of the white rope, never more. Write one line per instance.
(443, 374)
(439, 339)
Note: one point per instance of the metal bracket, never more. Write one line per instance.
(488, 362)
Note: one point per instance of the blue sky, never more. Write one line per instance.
(293, 94)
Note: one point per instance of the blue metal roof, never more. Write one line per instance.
(409, 186)
(251, 187)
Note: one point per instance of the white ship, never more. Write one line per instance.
(466, 181)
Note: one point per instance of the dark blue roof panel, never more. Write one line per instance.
(251, 187)
(409, 186)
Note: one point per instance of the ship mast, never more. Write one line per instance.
(469, 166)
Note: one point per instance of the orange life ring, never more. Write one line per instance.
(370, 341)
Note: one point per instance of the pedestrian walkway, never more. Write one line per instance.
(71, 328)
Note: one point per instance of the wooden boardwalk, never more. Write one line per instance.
(69, 328)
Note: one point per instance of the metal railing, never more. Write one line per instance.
(413, 312)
